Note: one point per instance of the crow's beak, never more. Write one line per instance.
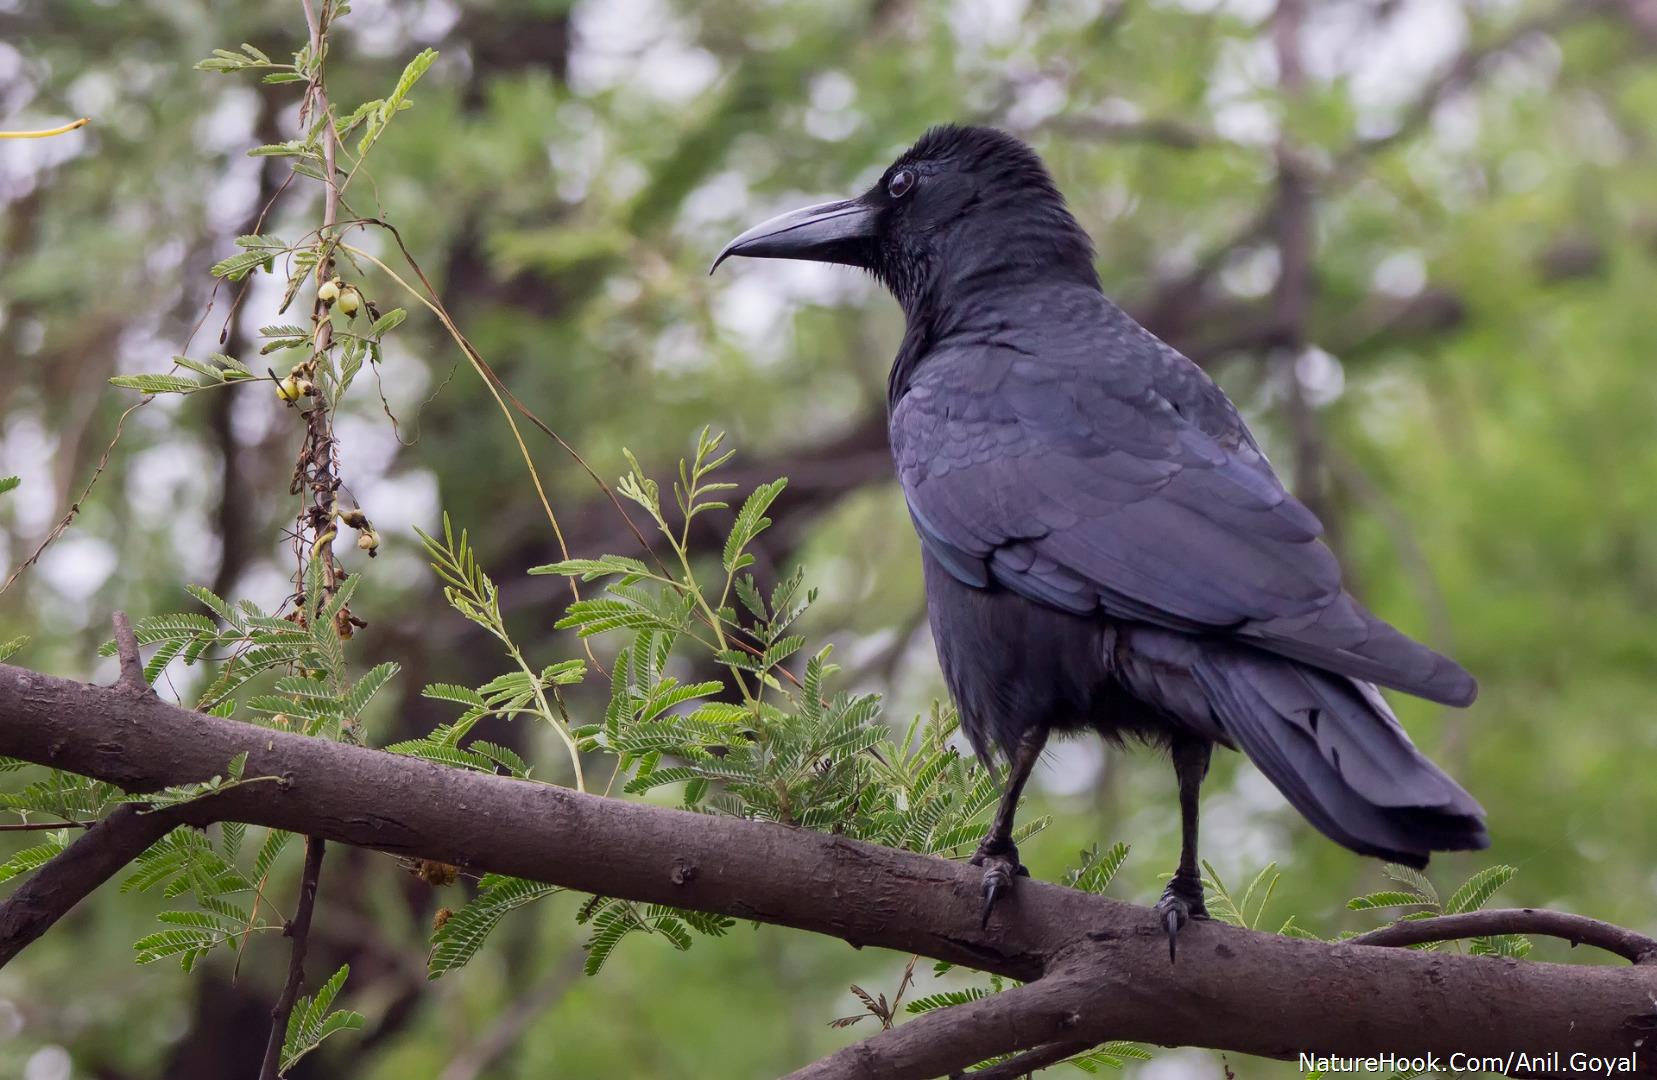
(836, 232)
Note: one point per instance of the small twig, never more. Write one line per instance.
(1577, 929)
(69, 515)
(126, 647)
(49, 894)
(47, 133)
(299, 930)
(46, 826)
(944, 1042)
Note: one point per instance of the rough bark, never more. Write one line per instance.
(1105, 963)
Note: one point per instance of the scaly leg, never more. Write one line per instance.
(1182, 899)
(996, 853)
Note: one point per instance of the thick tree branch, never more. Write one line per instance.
(1233, 989)
(1577, 929)
(73, 873)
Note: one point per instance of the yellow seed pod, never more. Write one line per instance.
(369, 541)
(289, 389)
(328, 292)
(350, 300)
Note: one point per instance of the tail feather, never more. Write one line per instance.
(1328, 742)
(1346, 637)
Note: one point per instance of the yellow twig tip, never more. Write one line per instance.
(48, 133)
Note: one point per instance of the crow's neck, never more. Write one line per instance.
(1018, 248)
(972, 283)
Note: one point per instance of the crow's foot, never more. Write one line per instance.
(1000, 862)
(1181, 902)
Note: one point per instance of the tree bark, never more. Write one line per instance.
(1106, 969)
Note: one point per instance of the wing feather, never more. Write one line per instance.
(1106, 488)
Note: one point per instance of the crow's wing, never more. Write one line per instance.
(1128, 484)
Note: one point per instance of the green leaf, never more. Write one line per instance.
(1386, 899)
(946, 999)
(312, 1021)
(269, 850)
(460, 695)
(1096, 871)
(10, 648)
(1293, 929)
(239, 266)
(751, 520)
(31, 858)
(1514, 945)
(380, 117)
(188, 945)
(158, 384)
(1477, 890)
(356, 700)
(459, 938)
(1412, 878)
(200, 367)
(1112, 1055)
(592, 569)
(387, 322)
(8, 483)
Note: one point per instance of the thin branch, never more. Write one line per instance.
(1577, 929)
(70, 514)
(947, 1041)
(316, 479)
(47, 826)
(50, 893)
(299, 930)
(126, 648)
(48, 132)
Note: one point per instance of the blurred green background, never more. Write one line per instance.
(1461, 389)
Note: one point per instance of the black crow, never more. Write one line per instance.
(1104, 545)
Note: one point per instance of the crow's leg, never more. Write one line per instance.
(996, 853)
(1182, 899)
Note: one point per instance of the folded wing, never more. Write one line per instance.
(1133, 489)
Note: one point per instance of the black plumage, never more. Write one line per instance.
(1105, 546)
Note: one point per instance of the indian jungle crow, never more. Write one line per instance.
(1104, 545)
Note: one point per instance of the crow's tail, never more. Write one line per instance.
(1329, 742)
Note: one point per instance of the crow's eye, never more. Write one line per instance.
(901, 183)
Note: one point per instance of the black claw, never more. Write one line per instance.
(1000, 865)
(992, 888)
(1181, 902)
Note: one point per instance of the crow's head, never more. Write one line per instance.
(964, 207)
